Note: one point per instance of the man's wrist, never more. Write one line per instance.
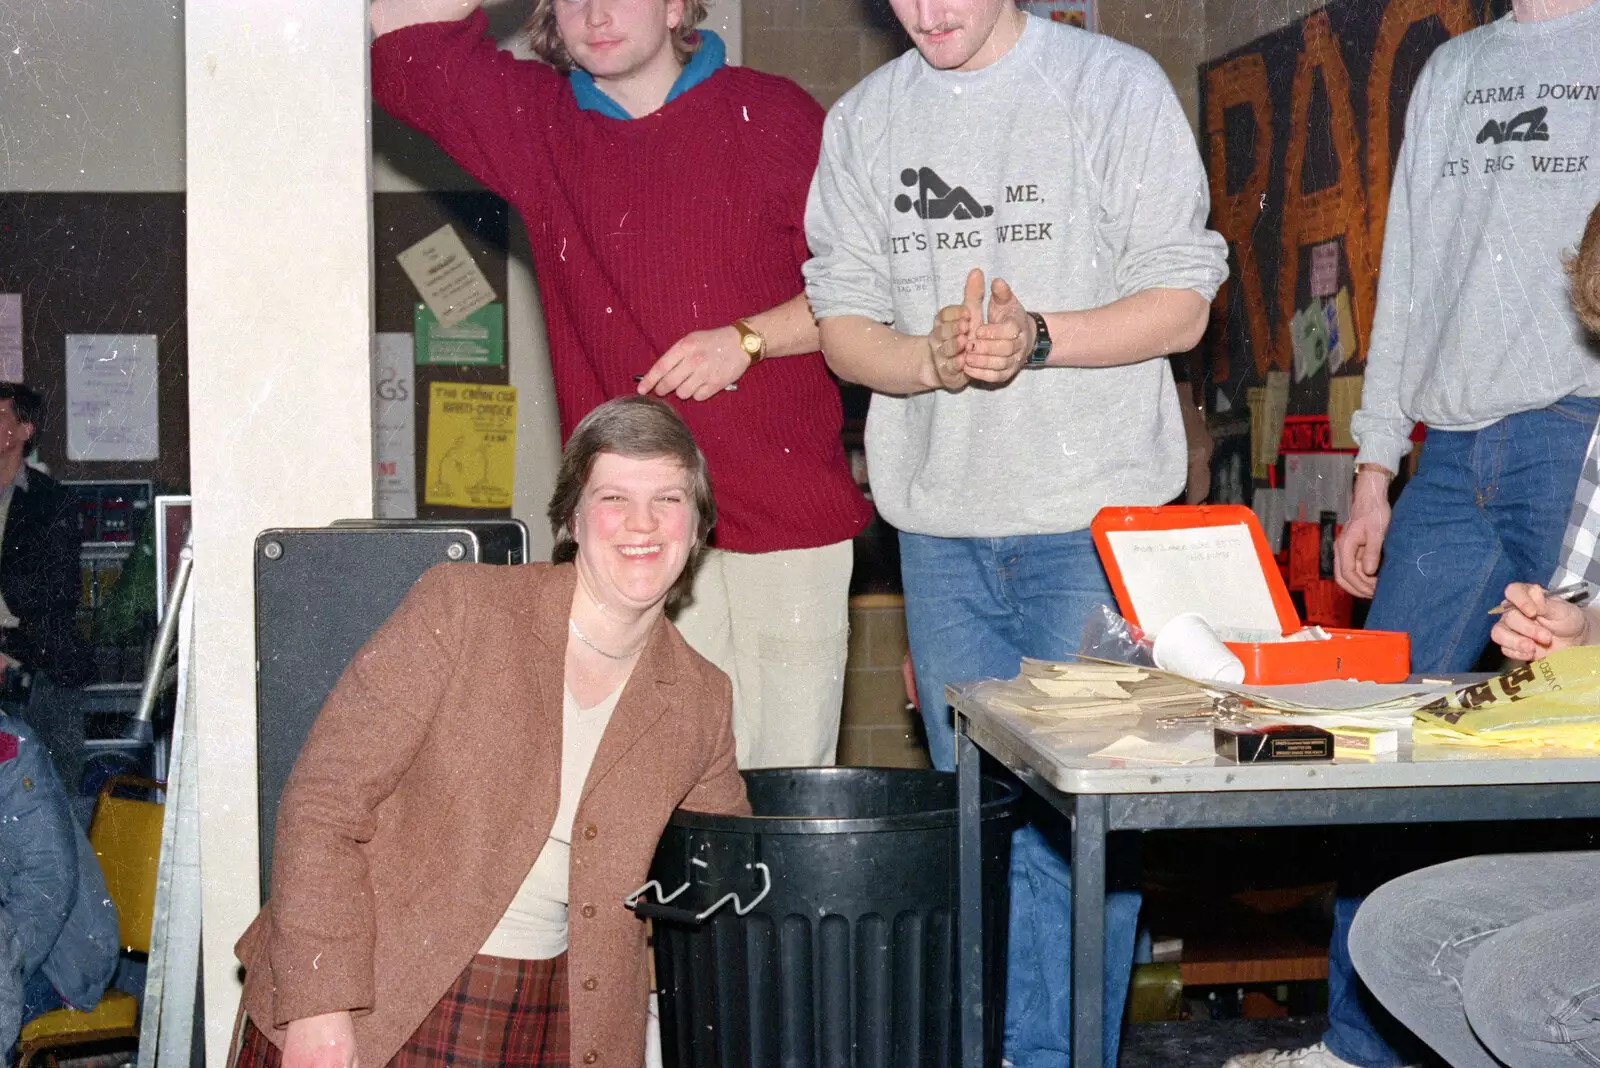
(751, 341)
(1374, 471)
(1037, 351)
(928, 375)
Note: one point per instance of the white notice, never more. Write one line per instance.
(111, 397)
(394, 435)
(446, 275)
(1210, 570)
(10, 337)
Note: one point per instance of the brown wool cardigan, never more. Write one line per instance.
(427, 788)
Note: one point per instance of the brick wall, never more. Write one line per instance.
(829, 45)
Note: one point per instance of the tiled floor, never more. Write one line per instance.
(1207, 1043)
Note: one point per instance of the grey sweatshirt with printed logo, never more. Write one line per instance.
(1498, 171)
(1065, 167)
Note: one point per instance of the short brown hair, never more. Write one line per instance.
(1584, 270)
(640, 428)
(544, 37)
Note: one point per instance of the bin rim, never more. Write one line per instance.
(999, 807)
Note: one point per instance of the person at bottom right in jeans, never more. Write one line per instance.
(1475, 338)
(1495, 960)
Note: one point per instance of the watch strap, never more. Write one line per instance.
(1041, 342)
(748, 331)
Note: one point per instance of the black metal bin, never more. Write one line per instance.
(820, 931)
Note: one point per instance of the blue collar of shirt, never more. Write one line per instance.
(703, 63)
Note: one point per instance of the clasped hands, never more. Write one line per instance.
(965, 346)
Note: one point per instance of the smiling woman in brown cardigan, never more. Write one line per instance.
(421, 873)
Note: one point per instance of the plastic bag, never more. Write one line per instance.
(1107, 636)
(1553, 701)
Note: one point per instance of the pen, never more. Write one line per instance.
(1572, 591)
(731, 387)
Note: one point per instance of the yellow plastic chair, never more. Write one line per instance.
(126, 836)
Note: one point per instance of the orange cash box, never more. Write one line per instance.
(1214, 559)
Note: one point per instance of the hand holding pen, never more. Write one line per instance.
(1536, 622)
(1572, 592)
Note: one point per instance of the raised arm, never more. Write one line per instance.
(387, 16)
(437, 69)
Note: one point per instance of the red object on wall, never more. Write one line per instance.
(1304, 546)
(1327, 605)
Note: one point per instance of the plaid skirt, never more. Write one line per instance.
(499, 1012)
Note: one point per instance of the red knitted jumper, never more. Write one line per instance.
(644, 231)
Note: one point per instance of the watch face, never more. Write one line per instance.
(751, 344)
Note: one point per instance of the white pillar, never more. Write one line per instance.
(280, 323)
(538, 454)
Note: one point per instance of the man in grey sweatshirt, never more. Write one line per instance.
(1474, 334)
(1051, 171)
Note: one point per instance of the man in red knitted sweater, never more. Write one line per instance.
(664, 198)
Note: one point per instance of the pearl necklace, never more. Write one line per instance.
(573, 623)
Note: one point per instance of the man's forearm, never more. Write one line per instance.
(877, 356)
(388, 15)
(789, 329)
(1152, 323)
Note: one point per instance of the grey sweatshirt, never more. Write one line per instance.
(1499, 168)
(1066, 168)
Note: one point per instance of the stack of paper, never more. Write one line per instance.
(1341, 702)
(1132, 749)
(1069, 694)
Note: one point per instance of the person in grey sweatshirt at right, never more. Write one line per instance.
(1008, 229)
(1474, 336)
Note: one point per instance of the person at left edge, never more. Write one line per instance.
(41, 650)
(58, 928)
(663, 193)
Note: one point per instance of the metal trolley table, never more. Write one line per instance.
(1435, 784)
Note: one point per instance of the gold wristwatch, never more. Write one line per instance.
(751, 341)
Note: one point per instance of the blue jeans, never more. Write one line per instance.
(974, 608)
(1493, 960)
(1486, 508)
(39, 997)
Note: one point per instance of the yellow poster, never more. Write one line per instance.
(1344, 398)
(1347, 325)
(472, 434)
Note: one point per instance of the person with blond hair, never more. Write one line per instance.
(663, 193)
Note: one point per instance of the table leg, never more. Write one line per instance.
(1088, 929)
(969, 898)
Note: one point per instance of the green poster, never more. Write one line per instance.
(479, 339)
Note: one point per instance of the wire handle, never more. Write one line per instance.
(656, 909)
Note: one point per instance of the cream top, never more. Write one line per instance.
(534, 927)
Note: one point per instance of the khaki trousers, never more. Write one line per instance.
(778, 623)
